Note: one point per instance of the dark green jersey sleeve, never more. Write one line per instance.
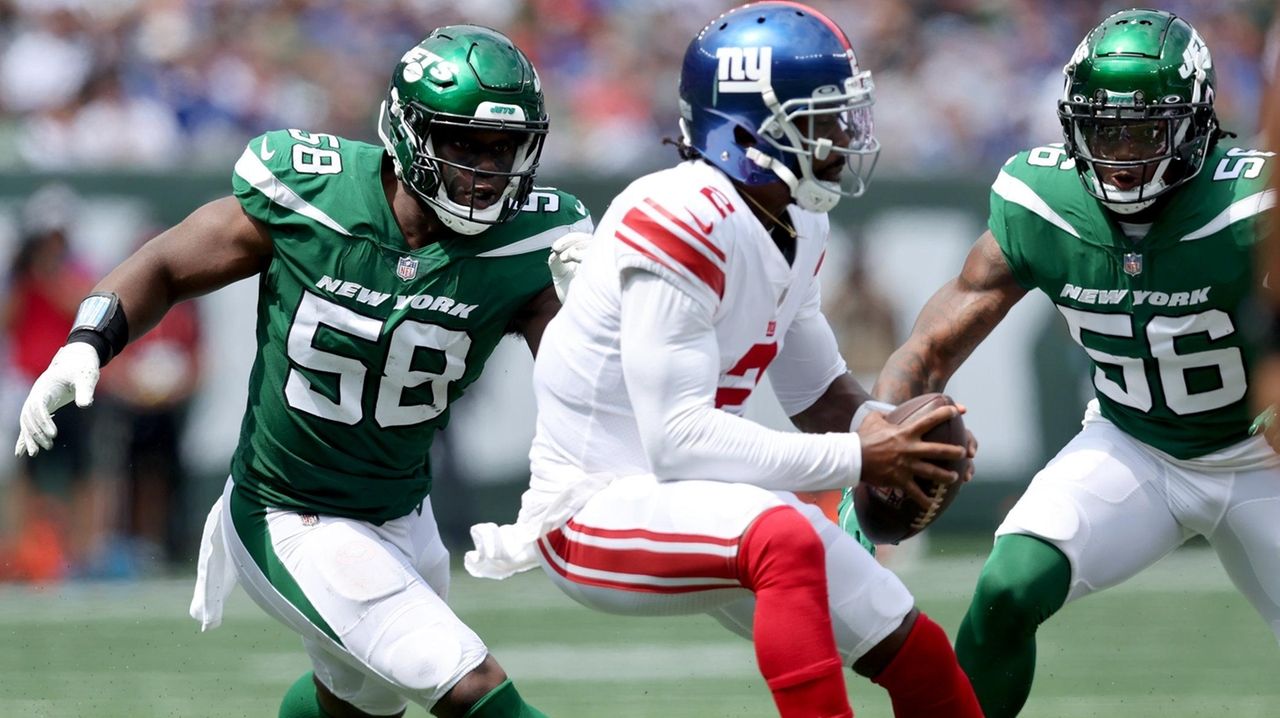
(1036, 206)
(997, 223)
(296, 177)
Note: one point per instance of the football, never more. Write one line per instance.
(889, 515)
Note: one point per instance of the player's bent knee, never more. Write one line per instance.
(1023, 583)
(1002, 598)
(425, 663)
(781, 541)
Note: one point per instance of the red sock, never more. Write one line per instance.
(781, 559)
(924, 679)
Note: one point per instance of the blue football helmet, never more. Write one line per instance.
(778, 71)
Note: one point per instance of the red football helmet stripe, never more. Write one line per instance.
(844, 39)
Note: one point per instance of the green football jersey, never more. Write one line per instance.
(364, 343)
(1160, 317)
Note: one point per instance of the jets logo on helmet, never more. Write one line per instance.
(418, 62)
(766, 89)
(1195, 58)
(464, 78)
(1137, 108)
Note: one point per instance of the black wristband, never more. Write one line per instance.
(100, 323)
(1271, 343)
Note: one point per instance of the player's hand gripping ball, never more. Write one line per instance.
(889, 515)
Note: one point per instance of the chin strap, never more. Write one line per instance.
(808, 193)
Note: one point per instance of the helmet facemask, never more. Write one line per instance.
(802, 129)
(1137, 108)
(1130, 154)
(436, 180)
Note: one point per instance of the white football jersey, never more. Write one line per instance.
(689, 225)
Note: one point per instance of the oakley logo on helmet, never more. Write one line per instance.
(419, 62)
(1195, 57)
(744, 69)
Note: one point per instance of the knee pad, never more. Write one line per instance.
(1024, 581)
(781, 541)
(425, 662)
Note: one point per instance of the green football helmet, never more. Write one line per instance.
(1137, 111)
(463, 77)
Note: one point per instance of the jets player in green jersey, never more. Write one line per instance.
(1139, 229)
(386, 276)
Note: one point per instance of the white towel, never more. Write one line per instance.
(503, 551)
(215, 573)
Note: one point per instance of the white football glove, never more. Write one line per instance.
(566, 254)
(73, 373)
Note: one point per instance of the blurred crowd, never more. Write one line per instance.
(180, 85)
(110, 500)
(183, 83)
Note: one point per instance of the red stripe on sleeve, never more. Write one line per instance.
(696, 234)
(641, 250)
(676, 248)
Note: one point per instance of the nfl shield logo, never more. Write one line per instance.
(1132, 264)
(407, 268)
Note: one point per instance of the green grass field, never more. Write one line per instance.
(1175, 642)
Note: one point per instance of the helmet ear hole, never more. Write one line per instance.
(742, 137)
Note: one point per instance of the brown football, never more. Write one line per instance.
(888, 515)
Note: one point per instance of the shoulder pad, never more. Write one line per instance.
(549, 200)
(294, 170)
(677, 228)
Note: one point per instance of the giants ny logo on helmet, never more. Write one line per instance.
(744, 69)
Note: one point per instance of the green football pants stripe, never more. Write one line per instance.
(1024, 582)
(250, 522)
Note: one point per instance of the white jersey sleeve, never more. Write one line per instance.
(669, 232)
(670, 364)
(810, 358)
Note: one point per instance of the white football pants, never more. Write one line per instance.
(644, 547)
(1114, 506)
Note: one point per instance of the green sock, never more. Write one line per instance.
(1024, 581)
(503, 702)
(301, 701)
(848, 520)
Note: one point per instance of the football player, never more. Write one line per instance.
(650, 494)
(1140, 229)
(386, 277)
(1266, 375)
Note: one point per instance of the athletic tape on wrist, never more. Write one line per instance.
(867, 407)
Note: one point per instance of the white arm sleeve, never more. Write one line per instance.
(810, 359)
(670, 362)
